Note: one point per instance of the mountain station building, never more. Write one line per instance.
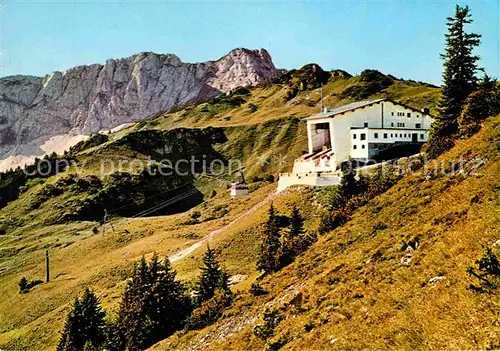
(357, 131)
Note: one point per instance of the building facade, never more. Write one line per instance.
(357, 131)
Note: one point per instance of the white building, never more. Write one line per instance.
(238, 189)
(357, 131)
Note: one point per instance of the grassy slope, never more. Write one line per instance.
(267, 140)
(351, 289)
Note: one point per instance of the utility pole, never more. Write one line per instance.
(321, 97)
(104, 220)
(47, 268)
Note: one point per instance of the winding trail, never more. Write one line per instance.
(183, 253)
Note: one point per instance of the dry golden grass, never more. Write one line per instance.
(100, 261)
(80, 258)
(350, 290)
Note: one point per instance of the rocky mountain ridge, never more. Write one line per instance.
(40, 115)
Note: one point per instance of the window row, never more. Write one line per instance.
(399, 124)
(362, 136)
(402, 114)
(381, 145)
(402, 125)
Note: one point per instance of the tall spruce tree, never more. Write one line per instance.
(169, 304)
(85, 324)
(212, 277)
(133, 322)
(348, 184)
(269, 260)
(68, 340)
(294, 241)
(296, 223)
(154, 305)
(460, 68)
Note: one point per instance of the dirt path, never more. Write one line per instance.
(183, 253)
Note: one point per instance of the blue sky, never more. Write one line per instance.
(402, 37)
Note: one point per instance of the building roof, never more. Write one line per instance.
(330, 112)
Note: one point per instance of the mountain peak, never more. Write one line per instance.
(85, 99)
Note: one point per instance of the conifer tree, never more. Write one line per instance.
(348, 183)
(212, 277)
(85, 325)
(68, 340)
(23, 285)
(460, 67)
(170, 305)
(481, 104)
(132, 319)
(296, 223)
(293, 242)
(269, 259)
(153, 306)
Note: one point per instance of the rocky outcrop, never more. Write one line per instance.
(309, 77)
(86, 99)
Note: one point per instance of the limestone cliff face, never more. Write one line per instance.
(86, 99)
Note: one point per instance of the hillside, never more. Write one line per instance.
(260, 127)
(393, 277)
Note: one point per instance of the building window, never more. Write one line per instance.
(400, 135)
(408, 114)
(354, 147)
(375, 135)
(322, 126)
(354, 136)
(418, 125)
(392, 124)
(366, 125)
(401, 125)
(385, 135)
(392, 135)
(421, 136)
(362, 136)
(392, 113)
(363, 146)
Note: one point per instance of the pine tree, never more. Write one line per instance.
(348, 183)
(269, 259)
(212, 277)
(169, 305)
(85, 324)
(294, 241)
(23, 285)
(94, 328)
(68, 340)
(301, 241)
(481, 104)
(460, 67)
(296, 223)
(154, 305)
(133, 321)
